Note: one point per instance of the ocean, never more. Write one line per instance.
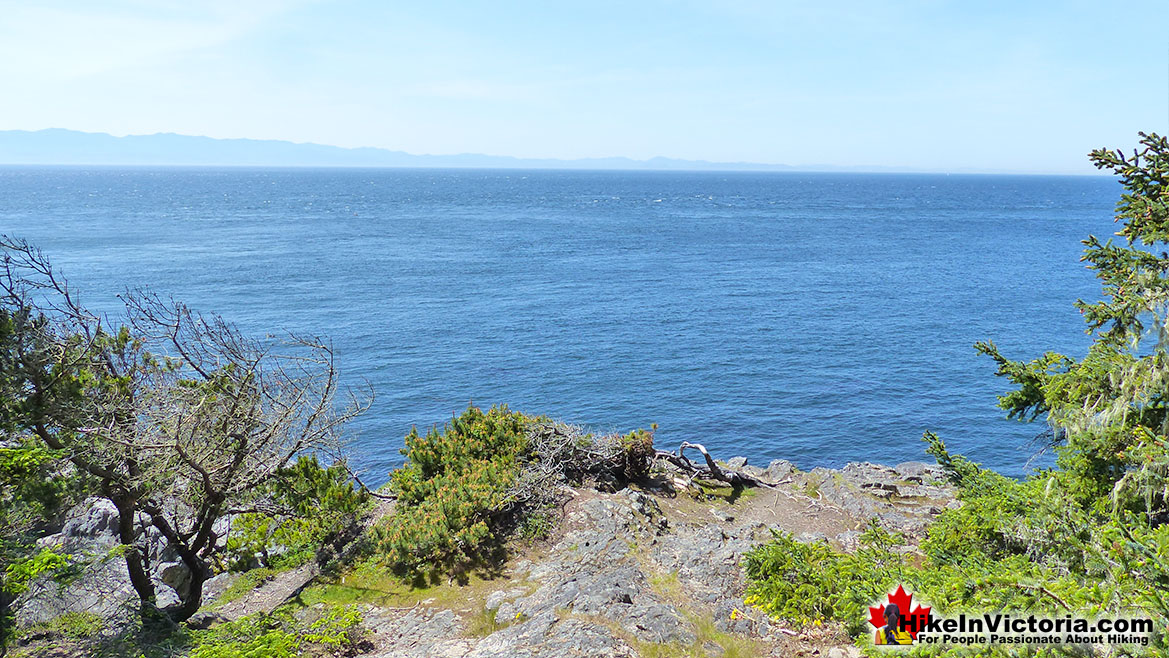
(817, 317)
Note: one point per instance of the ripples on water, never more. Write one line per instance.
(821, 318)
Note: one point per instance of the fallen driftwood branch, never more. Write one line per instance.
(711, 471)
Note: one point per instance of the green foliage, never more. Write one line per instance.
(245, 583)
(30, 490)
(279, 635)
(537, 525)
(1089, 537)
(70, 625)
(637, 451)
(309, 503)
(449, 488)
(809, 582)
(1109, 409)
(19, 574)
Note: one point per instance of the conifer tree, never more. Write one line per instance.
(1108, 410)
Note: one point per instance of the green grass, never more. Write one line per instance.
(247, 581)
(666, 585)
(487, 622)
(71, 625)
(729, 645)
(377, 585)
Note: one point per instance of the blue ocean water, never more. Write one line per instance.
(821, 318)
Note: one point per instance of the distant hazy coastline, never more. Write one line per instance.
(57, 146)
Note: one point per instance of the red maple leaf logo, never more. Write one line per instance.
(911, 622)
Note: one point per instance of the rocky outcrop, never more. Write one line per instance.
(634, 570)
(903, 498)
(643, 570)
(100, 584)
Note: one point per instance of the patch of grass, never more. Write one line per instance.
(378, 585)
(812, 489)
(708, 492)
(85, 634)
(280, 635)
(487, 622)
(732, 645)
(247, 581)
(538, 525)
(71, 625)
(708, 641)
(666, 585)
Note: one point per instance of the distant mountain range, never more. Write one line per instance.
(57, 146)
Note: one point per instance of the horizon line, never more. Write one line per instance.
(680, 164)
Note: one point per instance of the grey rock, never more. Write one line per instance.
(736, 463)
(658, 622)
(506, 613)
(176, 575)
(215, 586)
(721, 515)
(735, 616)
(203, 620)
(849, 540)
(409, 634)
(711, 648)
(779, 469)
(912, 470)
(914, 491)
(546, 637)
(754, 471)
(643, 504)
(89, 535)
(94, 519)
(164, 596)
(495, 599)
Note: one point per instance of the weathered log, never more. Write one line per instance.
(711, 471)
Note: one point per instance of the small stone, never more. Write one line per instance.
(495, 598)
(837, 652)
(505, 613)
(849, 540)
(736, 463)
(914, 469)
(712, 648)
(201, 621)
(176, 575)
(721, 515)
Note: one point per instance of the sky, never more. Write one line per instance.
(1027, 87)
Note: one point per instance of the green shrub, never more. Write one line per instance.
(637, 451)
(279, 635)
(452, 484)
(996, 552)
(19, 574)
(310, 504)
(806, 583)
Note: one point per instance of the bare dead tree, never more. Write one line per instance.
(711, 470)
(177, 417)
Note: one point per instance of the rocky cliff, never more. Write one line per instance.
(644, 571)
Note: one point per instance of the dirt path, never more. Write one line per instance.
(287, 584)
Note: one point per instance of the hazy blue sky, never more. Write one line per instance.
(1010, 86)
